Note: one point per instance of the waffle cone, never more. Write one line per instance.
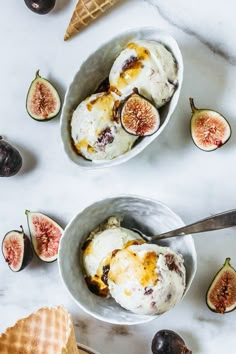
(47, 331)
(86, 11)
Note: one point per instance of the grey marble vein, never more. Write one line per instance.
(216, 47)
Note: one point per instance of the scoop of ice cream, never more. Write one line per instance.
(96, 133)
(98, 249)
(147, 66)
(146, 279)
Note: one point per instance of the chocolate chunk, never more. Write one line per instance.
(148, 291)
(105, 138)
(129, 63)
(170, 262)
(103, 86)
(105, 271)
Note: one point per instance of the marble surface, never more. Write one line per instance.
(193, 183)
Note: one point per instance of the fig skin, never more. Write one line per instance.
(27, 249)
(10, 159)
(146, 126)
(56, 100)
(46, 234)
(221, 119)
(226, 269)
(168, 342)
(40, 7)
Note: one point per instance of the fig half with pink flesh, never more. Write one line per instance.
(138, 116)
(45, 235)
(221, 295)
(43, 101)
(17, 250)
(209, 129)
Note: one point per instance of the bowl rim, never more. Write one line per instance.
(131, 196)
(134, 151)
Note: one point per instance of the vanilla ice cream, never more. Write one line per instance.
(146, 279)
(147, 66)
(98, 249)
(96, 132)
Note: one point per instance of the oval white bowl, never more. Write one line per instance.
(149, 216)
(95, 69)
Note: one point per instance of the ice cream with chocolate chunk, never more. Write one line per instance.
(95, 131)
(147, 66)
(98, 249)
(146, 279)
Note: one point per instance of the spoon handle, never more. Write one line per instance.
(215, 222)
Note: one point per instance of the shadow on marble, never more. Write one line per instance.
(29, 159)
(61, 5)
(35, 263)
(56, 218)
(196, 296)
(191, 341)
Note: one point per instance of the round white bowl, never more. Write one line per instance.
(149, 216)
(95, 69)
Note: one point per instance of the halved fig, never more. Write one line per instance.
(45, 235)
(138, 116)
(17, 250)
(43, 101)
(209, 129)
(221, 295)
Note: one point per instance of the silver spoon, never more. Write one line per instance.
(215, 222)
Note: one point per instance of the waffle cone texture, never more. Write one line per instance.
(86, 11)
(47, 331)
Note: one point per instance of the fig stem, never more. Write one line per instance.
(193, 107)
(22, 229)
(37, 74)
(227, 261)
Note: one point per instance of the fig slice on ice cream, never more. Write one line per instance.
(17, 250)
(221, 295)
(138, 116)
(209, 129)
(43, 101)
(45, 235)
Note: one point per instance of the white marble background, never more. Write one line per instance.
(193, 183)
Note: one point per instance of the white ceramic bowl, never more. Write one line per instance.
(149, 216)
(95, 69)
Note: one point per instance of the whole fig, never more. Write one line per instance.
(40, 7)
(10, 159)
